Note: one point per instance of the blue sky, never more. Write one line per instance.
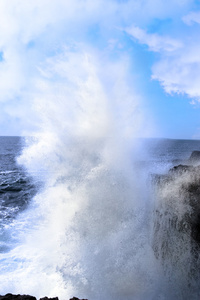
(138, 60)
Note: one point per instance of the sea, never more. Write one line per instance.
(16, 187)
(74, 223)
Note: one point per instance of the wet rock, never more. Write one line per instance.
(195, 157)
(176, 237)
(46, 298)
(180, 169)
(17, 297)
(28, 297)
(74, 298)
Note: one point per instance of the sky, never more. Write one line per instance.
(141, 57)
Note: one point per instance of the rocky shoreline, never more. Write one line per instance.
(178, 192)
(28, 297)
(176, 226)
(176, 222)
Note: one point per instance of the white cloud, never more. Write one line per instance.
(178, 66)
(154, 41)
(178, 78)
(179, 72)
(192, 17)
(32, 31)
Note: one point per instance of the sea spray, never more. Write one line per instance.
(105, 228)
(176, 229)
(86, 232)
(95, 228)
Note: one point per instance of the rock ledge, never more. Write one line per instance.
(28, 297)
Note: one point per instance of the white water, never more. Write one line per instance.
(87, 232)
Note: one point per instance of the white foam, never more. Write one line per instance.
(87, 232)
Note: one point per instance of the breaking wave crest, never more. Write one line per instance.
(86, 230)
(89, 231)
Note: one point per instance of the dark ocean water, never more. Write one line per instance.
(104, 214)
(16, 186)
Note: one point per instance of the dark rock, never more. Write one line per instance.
(17, 297)
(74, 298)
(181, 169)
(182, 186)
(195, 157)
(46, 298)
(176, 237)
(28, 297)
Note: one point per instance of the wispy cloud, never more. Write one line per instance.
(179, 72)
(154, 41)
(192, 17)
(33, 32)
(178, 66)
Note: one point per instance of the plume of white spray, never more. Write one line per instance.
(84, 232)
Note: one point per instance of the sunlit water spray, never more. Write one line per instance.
(88, 231)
